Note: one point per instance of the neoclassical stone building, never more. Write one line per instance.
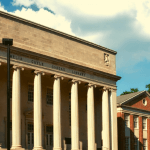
(63, 89)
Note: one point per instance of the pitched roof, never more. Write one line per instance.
(124, 98)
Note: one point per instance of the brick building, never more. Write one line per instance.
(133, 115)
(63, 89)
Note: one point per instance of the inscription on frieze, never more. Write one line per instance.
(37, 62)
(15, 57)
(3, 55)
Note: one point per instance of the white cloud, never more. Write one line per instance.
(2, 8)
(46, 18)
(96, 8)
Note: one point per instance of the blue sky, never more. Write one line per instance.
(123, 26)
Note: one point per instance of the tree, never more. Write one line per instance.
(132, 90)
(148, 86)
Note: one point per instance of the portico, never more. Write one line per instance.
(90, 87)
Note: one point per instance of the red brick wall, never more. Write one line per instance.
(148, 133)
(140, 134)
(131, 132)
(140, 105)
(121, 131)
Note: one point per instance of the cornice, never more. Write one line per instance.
(45, 58)
(130, 111)
(47, 29)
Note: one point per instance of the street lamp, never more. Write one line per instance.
(8, 42)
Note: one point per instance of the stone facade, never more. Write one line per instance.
(63, 89)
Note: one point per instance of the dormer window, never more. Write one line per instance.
(144, 102)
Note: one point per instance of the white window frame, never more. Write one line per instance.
(137, 122)
(127, 115)
(145, 145)
(146, 122)
(137, 143)
(47, 94)
(28, 92)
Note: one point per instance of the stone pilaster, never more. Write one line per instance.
(37, 111)
(90, 117)
(74, 116)
(57, 113)
(16, 109)
(105, 119)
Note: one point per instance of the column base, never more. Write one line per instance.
(38, 148)
(57, 148)
(17, 148)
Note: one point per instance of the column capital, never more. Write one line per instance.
(90, 85)
(103, 88)
(112, 89)
(74, 80)
(37, 71)
(15, 67)
(57, 76)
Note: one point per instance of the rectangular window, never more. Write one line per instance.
(30, 92)
(126, 120)
(144, 144)
(49, 96)
(135, 122)
(49, 129)
(69, 109)
(49, 136)
(30, 127)
(127, 143)
(144, 123)
(135, 143)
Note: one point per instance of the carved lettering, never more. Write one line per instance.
(58, 68)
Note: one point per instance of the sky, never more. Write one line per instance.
(121, 25)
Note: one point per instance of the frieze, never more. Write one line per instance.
(56, 67)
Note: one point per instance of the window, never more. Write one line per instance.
(30, 136)
(135, 122)
(144, 144)
(49, 96)
(126, 120)
(49, 129)
(30, 93)
(127, 143)
(135, 143)
(70, 109)
(144, 123)
(144, 102)
(30, 127)
(49, 136)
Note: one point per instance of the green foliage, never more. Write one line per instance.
(148, 86)
(132, 90)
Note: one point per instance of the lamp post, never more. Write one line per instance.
(8, 42)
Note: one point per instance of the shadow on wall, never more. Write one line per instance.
(124, 141)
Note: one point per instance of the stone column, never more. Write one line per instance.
(57, 113)
(37, 111)
(74, 116)
(90, 117)
(113, 112)
(105, 120)
(16, 109)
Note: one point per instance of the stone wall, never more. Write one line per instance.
(43, 40)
